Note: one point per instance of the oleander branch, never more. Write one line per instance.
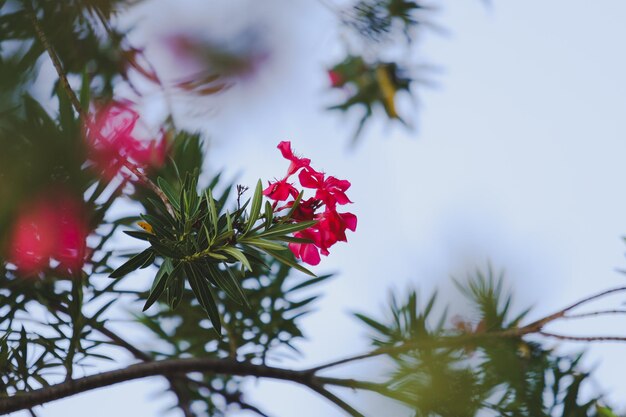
(167, 368)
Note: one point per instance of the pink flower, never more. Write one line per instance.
(336, 80)
(307, 252)
(280, 190)
(113, 141)
(51, 227)
(296, 162)
(332, 191)
(331, 225)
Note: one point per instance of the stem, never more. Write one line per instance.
(56, 62)
(584, 338)
(148, 182)
(538, 325)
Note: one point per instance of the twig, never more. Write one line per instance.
(593, 314)
(338, 401)
(538, 325)
(56, 62)
(584, 338)
(148, 182)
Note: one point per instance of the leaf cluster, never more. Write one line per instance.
(469, 369)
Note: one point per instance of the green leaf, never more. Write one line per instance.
(309, 282)
(289, 261)
(85, 90)
(285, 229)
(133, 263)
(176, 288)
(237, 254)
(228, 282)
(291, 239)
(372, 323)
(161, 281)
(138, 234)
(164, 250)
(203, 292)
(269, 215)
(262, 243)
(212, 210)
(169, 192)
(255, 208)
(295, 204)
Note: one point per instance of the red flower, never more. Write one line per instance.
(336, 80)
(307, 252)
(310, 178)
(331, 225)
(332, 228)
(52, 227)
(333, 192)
(280, 190)
(113, 142)
(296, 162)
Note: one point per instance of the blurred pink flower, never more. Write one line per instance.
(113, 141)
(52, 227)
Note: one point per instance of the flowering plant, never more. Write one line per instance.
(330, 225)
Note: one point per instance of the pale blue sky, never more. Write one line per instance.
(518, 159)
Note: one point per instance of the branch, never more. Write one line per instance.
(538, 325)
(175, 382)
(56, 62)
(168, 368)
(584, 338)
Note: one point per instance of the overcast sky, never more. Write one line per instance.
(517, 159)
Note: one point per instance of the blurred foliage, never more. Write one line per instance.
(367, 76)
(264, 330)
(469, 369)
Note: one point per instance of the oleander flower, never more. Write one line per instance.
(114, 140)
(52, 227)
(329, 192)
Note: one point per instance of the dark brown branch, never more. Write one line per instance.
(338, 401)
(168, 368)
(175, 382)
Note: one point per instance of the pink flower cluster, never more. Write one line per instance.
(53, 227)
(113, 141)
(330, 192)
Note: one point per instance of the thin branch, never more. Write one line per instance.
(148, 182)
(56, 62)
(534, 327)
(336, 400)
(593, 314)
(538, 325)
(584, 338)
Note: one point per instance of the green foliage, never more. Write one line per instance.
(265, 329)
(481, 368)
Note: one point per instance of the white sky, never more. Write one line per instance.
(518, 159)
